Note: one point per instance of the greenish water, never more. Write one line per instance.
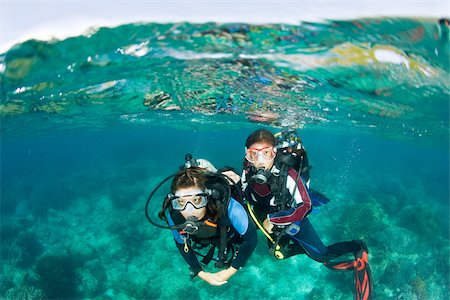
(90, 124)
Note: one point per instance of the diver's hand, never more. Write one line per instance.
(224, 275)
(268, 226)
(232, 175)
(211, 278)
(206, 164)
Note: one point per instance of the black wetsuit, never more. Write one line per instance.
(296, 211)
(241, 233)
(294, 234)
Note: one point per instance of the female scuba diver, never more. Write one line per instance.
(200, 201)
(279, 201)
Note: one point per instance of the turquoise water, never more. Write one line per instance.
(90, 124)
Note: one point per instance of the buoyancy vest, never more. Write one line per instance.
(216, 232)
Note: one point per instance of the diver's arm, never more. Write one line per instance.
(246, 229)
(190, 258)
(212, 278)
(235, 182)
(301, 206)
(244, 183)
(196, 269)
(224, 275)
(231, 175)
(206, 164)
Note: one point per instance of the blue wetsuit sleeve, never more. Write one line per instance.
(176, 235)
(188, 256)
(246, 229)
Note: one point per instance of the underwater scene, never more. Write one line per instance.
(91, 124)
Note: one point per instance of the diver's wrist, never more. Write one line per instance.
(232, 270)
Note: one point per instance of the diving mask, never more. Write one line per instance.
(197, 198)
(260, 154)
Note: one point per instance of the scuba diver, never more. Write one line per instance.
(275, 180)
(204, 217)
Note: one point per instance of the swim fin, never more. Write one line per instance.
(363, 275)
(317, 198)
(361, 268)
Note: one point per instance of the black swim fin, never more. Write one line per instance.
(361, 268)
(363, 275)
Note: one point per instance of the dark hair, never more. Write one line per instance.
(190, 177)
(261, 135)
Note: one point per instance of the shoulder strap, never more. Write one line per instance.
(278, 188)
(280, 191)
(220, 185)
(224, 223)
(284, 194)
(222, 262)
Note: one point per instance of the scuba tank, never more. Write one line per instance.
(201, 163)
(292, 153)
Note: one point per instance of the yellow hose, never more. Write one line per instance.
(252, 214)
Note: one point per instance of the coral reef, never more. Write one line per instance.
(57, 276)
(362, 221)
(5, 284)
(419, 288)
(92, 278)
(31, 248)
(26, 292)
(422, 222)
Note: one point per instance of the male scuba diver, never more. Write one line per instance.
(204, 218)
(275, 180)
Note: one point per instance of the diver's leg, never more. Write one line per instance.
(337, 250)
(308, 239)
(287, 248)
(342, 248)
